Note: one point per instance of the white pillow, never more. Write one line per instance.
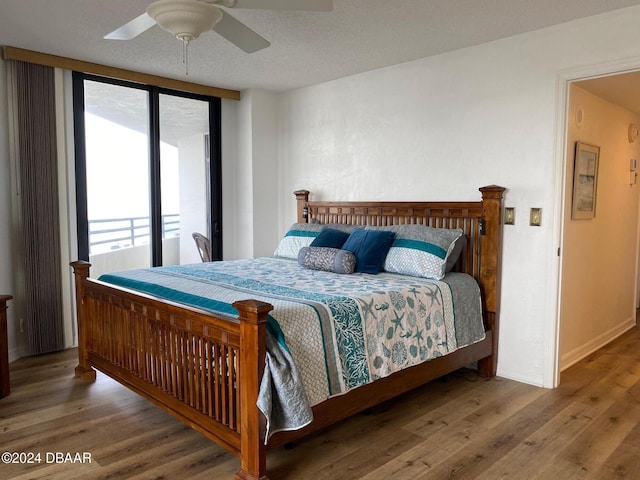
(299, 235)
(420, 251)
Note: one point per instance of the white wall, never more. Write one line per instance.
(439, 128)
(599, 261)
(193, 196)
(265, 172)
(230, 150)
(257, 175)
(6, 235)
(243, 200)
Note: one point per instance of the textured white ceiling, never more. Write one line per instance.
(306, 47)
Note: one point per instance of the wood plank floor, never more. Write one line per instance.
(461, 428)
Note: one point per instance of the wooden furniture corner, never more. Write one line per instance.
(5, 386)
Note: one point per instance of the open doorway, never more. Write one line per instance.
(599, 281)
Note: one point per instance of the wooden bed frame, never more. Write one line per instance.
(206, 369)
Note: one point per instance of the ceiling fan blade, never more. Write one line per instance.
(239, 34)
(132, 29)
(310, 5)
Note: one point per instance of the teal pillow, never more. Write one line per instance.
(330, 237)
(370, 248)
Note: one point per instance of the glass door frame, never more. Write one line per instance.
(214, 149)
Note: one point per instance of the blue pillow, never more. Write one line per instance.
(370, 248)
(330, 237)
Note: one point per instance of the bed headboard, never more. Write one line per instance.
(481, 222)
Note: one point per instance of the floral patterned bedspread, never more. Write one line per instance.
(342, 331)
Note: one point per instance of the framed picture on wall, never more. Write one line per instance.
(585, 181)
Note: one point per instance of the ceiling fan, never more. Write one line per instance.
(187, 19)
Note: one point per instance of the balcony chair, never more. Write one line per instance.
(204, 246)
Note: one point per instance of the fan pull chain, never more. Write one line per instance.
(185, 56)
(186, 39)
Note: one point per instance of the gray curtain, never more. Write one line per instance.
(38, 186)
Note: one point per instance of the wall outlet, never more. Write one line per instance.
(535, 218)
(509, 216)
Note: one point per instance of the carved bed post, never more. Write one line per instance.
(84, 369)
(490, 269)
(302, 197)
(253, 452)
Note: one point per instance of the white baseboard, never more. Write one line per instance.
(16, 352)
(520, 377)
(573, 357)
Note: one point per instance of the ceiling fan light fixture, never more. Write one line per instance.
(185, 19)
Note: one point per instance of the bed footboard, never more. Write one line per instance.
(183, 359)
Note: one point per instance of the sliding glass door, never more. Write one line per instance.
(147, 174)
(184, 174)
(117, 176)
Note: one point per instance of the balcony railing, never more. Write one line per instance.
(115, 233)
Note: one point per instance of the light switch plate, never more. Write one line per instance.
(535, 218)
(509, 216)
